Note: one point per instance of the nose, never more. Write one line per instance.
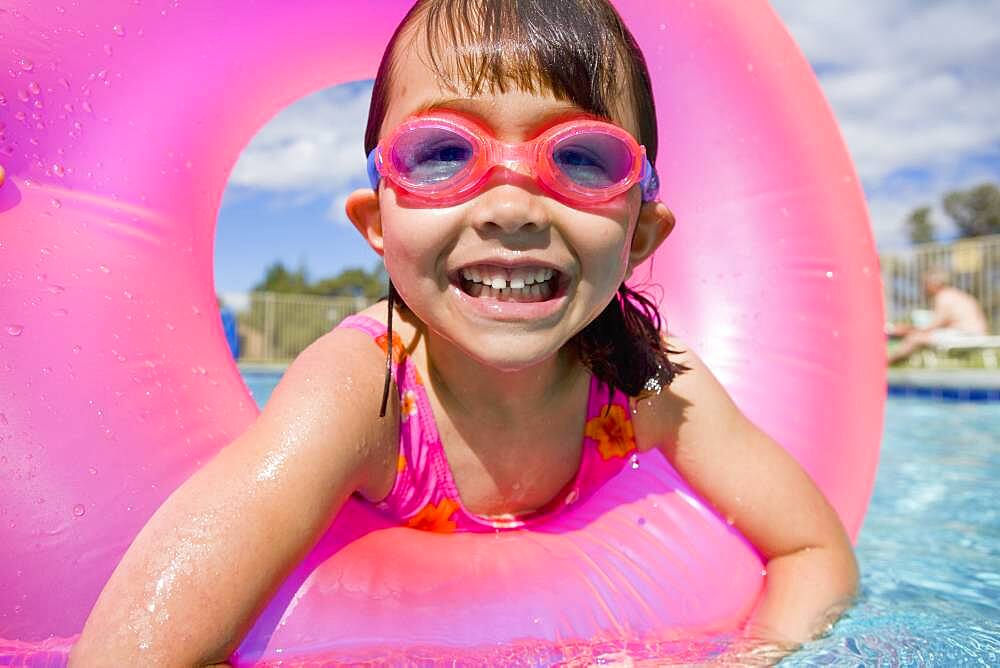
(511, 201)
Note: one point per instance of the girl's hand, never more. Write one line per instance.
(196, 576)
(747, 477)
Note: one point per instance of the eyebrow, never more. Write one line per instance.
(478, 108)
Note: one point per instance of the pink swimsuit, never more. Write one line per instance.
(424, 495)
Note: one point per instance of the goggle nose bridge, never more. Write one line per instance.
(520, 158)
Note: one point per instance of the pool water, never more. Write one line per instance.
(930, 546)
(929, 549)
(261, 384)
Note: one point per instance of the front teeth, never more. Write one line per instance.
(519, 279)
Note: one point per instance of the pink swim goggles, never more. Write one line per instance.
(443, 158)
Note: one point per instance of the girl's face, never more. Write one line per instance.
(443, 259)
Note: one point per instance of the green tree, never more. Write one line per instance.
(920, 225)
(354, 282)
(277, 278)
(976, 211)
(351, 282)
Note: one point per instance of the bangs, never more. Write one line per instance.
(579, 51)
(493, 47)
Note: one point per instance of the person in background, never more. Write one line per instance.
(956, 315)
(230, 328)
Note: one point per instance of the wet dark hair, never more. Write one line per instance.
(581, 52)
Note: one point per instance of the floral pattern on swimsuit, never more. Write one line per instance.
(424, 495)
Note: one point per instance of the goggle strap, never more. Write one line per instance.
(649, 182)
(373, 174)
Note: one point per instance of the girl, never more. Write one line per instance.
(508, 305)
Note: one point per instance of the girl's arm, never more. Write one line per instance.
(811, 571)
(205, 564)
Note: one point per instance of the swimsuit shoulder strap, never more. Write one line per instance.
(419, 462)
(363, 323)
(608, 436)
(379, 334)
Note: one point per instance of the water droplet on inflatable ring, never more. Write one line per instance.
(27, 65)
(15, 330)
(118, 29)
(79, 510)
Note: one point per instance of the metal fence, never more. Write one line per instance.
(974, 266)
(276, 327)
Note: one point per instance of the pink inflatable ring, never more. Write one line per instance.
(119, 124)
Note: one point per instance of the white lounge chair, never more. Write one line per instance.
(988, 346)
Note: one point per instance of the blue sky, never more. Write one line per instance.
(915, 85)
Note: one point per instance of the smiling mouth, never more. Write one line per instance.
(522, 284)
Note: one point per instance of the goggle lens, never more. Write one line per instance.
(427, 156)
(593, 160)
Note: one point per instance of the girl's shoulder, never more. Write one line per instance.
(693, 397)
(336, 386)
(344, 364)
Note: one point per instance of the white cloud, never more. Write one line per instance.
(311, 149)
(336, 210)
(914, 85)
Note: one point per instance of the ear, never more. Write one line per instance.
(363, 209)
(655, 224)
